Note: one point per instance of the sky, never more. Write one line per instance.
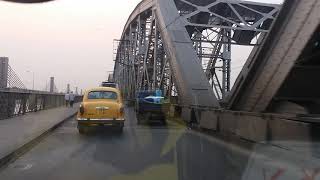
(71, 40)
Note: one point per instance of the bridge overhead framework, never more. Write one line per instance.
(167, 45)
(184, 48)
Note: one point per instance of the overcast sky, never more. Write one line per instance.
(71, 40)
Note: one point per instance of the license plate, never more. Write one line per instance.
(101, 110)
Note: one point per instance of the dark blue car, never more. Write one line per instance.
(149, 107)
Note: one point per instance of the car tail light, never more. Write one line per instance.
(121, 110)
(81, 110)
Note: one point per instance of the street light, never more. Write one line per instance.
(32, 78)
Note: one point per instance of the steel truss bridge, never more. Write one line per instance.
(183, 47)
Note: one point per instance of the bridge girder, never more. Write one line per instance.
(274, 72)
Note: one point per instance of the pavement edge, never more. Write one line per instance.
(15, 154)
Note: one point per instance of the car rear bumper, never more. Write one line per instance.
(100, 122)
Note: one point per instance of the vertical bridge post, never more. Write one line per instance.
(4, 65)
(51, 84)
(68, 88)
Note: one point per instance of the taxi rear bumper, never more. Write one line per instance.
(100, 122)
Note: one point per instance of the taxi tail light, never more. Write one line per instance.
(81, 109)
(121, 110)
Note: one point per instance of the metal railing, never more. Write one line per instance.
(15, 102)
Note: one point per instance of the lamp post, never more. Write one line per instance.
(32, 78)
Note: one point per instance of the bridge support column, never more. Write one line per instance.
(226, 69)
(51, 84)
(4, 67)
(68, 88)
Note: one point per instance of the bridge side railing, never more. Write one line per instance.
(15, 102)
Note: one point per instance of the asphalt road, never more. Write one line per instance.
(141, 152)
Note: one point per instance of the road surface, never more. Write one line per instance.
(144, 152)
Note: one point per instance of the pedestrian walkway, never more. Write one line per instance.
(18, 131)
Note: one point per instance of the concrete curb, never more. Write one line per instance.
(15, 154)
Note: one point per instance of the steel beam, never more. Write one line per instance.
(192, 84)
(273, 62)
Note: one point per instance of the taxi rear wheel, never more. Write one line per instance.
(82, 129)
(120, 128)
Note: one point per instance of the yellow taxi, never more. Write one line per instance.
(101, 107)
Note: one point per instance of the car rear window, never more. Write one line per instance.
(102, 95)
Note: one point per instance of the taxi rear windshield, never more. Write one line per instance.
(102, 95)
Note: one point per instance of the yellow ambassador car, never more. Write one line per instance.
(101, 107)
